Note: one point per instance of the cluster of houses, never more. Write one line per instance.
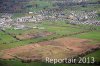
(84, 18)
(35, 18)
(74, 17)
(56, 14)
(5, 20)
(88, 22)
(62, 1)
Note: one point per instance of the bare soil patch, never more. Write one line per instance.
(34, 35)
(58, 48)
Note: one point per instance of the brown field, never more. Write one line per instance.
(58, 48)
(33, 35)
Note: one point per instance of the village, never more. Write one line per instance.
(73, 17)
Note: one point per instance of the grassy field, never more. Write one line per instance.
(59, 29)
(18, 63)
(5, 39)
(94, 35)
(96, 55)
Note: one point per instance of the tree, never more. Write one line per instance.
(98, 13)
(13, 5)
(98, 2)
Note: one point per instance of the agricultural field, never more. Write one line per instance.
(54, 49)
(55, 30)
(56, 33)
(28, 36)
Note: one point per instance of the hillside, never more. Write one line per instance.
(35, 5)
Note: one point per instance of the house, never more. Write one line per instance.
(19, 27)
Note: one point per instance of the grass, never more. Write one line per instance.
(20, 31)
(19, 63)
(4, 38)
(97, 18)
(94, 35)
(59, 29)
(96, 55)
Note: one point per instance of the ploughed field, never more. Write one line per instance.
(58, 48)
